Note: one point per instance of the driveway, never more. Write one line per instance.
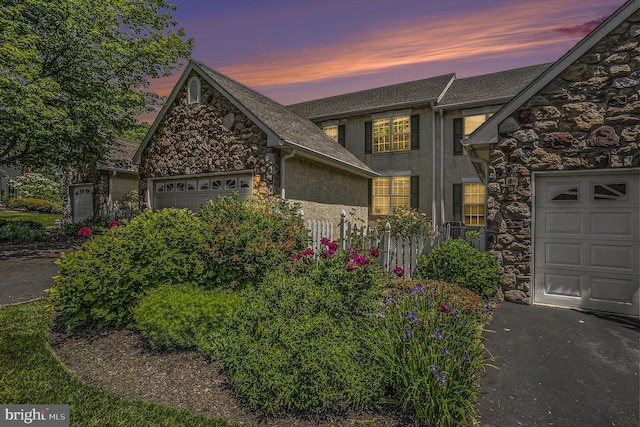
(25, 278)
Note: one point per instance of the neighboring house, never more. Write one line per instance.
(215, 136)
(7, 173)
(410, 134)
(90, 189)
(564, 176)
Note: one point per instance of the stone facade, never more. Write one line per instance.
(587, 118)
(210, 137)
(215, 136)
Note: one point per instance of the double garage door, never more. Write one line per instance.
(586, 241)
(194, 191)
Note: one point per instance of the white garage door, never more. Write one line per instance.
(193, 192)
(82, 201)
(587, 238)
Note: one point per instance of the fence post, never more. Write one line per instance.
(386, 246)
(343, 230)
(483, 239)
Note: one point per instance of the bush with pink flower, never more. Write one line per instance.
(85, 232)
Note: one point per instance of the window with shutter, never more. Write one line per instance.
(457, 136)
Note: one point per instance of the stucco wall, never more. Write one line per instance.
(587, 118)
(325, 192)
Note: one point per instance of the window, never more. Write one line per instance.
(193, 91)
(474, 204)
(472, 123)
(395, 133)
(469, 203)
(389, 193)
(391, 134)
(616, 191)
(331, 131)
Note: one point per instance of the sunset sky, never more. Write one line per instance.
(297, 50)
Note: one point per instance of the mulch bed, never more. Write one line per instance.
(119, 361)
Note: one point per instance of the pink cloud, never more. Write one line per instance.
(580, 30)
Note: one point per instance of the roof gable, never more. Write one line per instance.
(282, 126)
(382, 98)
(120, 156)
(488, 132)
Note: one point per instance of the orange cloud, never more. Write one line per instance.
(504, 31)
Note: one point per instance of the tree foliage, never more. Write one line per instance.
(73, 74)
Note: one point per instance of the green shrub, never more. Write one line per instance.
(455, 261)
(245, 239)
(34, 205)
(22, 231)
(99, 283)
(299, 342)
(184, 316)
(405, 222)
(429, 346)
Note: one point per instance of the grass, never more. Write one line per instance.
(47, 220)
(31, 374)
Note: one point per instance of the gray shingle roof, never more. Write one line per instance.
(120, 156)
(288, 126)
(495, 86)
(382, 98)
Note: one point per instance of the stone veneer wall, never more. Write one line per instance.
(83, 175)
(587, 118)
(213, 136)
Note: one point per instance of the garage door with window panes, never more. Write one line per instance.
(194, 191)
(587, 239)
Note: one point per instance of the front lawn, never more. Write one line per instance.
(47, 220)
(31, 374)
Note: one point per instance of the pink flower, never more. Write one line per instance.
(359, 259)
(85, 232)
(114, 224)
(443, 308)
(328, 253)
(324, 241)
(375, 252)
(351, 267)
(308, 252)
(398, 271)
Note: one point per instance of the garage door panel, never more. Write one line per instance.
(616, 257)
(567, 223)
(614, 224)
(561, 284)
(563, 254)
(618, 290)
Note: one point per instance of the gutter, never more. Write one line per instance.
(433, 164)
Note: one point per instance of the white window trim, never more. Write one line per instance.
(390, 196)
(390, 115)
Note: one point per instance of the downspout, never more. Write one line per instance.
(442, 165)
(433, 165)
(282, 172)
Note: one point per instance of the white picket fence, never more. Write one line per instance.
(394, 251)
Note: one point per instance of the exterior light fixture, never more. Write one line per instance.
(512, 183)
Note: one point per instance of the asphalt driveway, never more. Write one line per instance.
(26, 278)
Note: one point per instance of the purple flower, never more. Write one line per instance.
(442, 379)
(418, 288)
(437, 335)
(409, 332)
(412, 317)
(466, 358)
(435, 368)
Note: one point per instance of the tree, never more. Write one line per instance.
(73, 74)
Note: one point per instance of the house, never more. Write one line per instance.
(215, 136)
(563, 176)
(91, 189)
(409, 133)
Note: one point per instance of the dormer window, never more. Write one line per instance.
(193, 91)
